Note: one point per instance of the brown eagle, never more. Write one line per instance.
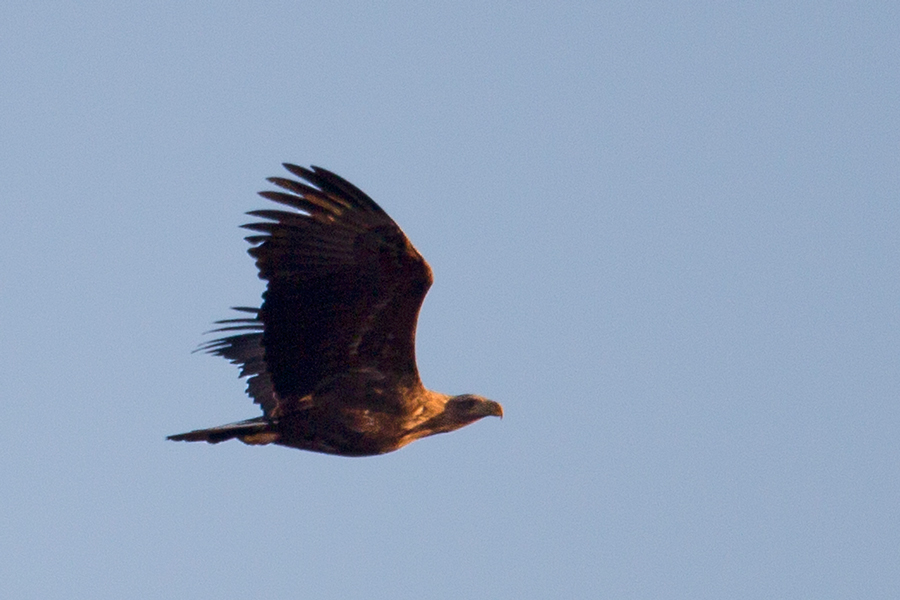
(330, 354)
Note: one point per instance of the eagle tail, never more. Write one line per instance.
(251, 431)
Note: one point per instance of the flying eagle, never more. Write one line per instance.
(330, 354)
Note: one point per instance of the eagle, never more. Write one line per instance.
(330, 354)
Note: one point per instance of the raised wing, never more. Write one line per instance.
(344, 291)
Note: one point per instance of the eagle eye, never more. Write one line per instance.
(467, 405)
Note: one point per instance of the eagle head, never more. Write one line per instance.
(467, 408)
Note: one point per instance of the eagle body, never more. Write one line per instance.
(330, 354)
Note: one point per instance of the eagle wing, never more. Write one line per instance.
(344, 290)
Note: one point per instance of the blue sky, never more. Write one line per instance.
(664, 236)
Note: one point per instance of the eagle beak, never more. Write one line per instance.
(493, 409)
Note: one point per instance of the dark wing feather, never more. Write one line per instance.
(344, 291)
(246, 350)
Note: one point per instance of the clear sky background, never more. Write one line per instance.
(664, 235)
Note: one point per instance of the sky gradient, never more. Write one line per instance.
(664, 237)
